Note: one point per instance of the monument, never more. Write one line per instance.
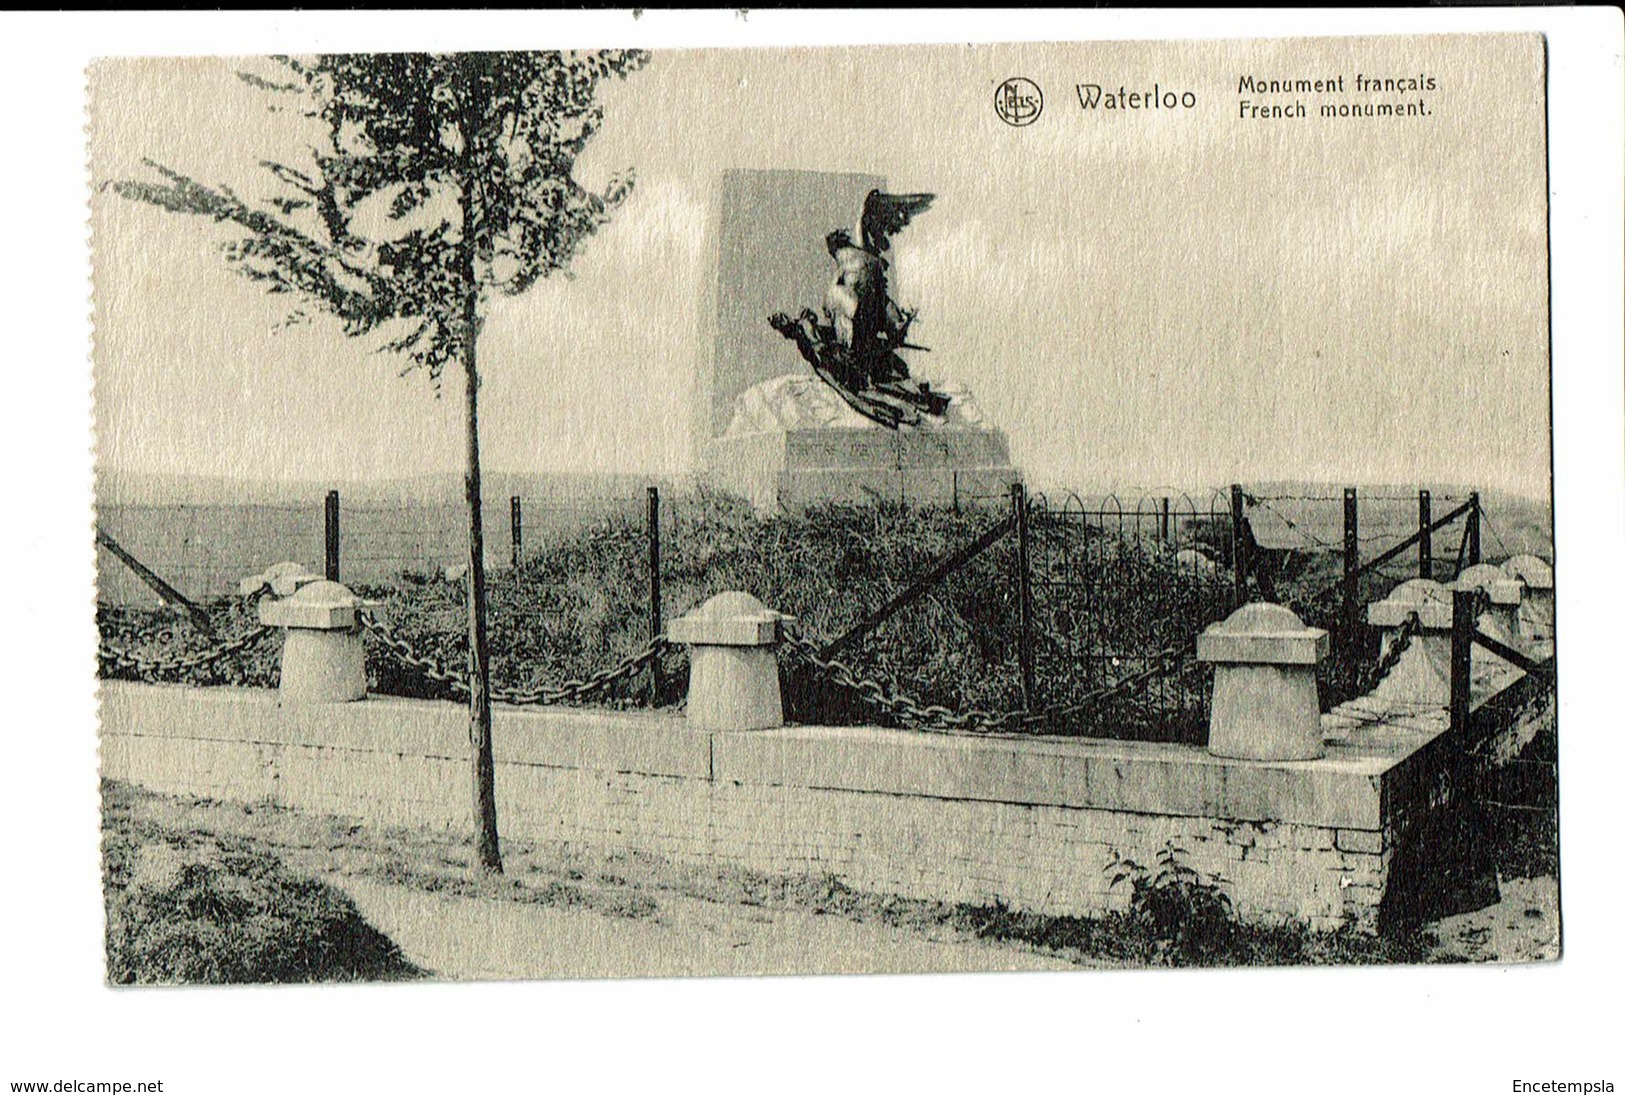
(791, 411)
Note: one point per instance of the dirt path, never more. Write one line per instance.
(1522, 927)
(558, 913)
(473, 938)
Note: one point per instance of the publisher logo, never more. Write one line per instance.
(1018, 101)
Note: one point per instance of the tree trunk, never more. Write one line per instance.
(479, 665)
(488, 848)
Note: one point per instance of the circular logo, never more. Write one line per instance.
(1018, 101)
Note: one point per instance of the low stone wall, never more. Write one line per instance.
(1032, 822)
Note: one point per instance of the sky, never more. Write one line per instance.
(1137, 298)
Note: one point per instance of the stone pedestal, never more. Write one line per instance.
(790, 469)
(1538, 612)
(323, 657)
(764, 253)
(1266, 705)
(1422, 675)
(1505, 593)
(733, 681)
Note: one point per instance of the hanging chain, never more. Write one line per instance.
(149, 667)
(935, 717)
(569, 691)
(1402, 642)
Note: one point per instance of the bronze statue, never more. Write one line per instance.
(854, 345)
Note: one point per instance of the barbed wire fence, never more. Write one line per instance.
(1073, 638)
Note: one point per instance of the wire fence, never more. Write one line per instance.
(1077, 616)
(206, 549)
(1120, 592)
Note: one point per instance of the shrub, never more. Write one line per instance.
(1187, 917)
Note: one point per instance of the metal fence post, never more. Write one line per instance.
(1351, 565)
(1165, 526)
(652, 523)
(516, 522)
(1238, 542)
(1474, 553)
(1463, 623)
(1424, 534)
(1018, 508)
(331, 535)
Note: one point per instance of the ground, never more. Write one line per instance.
(1522, 927)
(567, 913)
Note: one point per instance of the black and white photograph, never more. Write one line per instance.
(1058, 512)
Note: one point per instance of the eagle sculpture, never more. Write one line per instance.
(854, 346)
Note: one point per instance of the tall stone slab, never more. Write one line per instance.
(768, 231)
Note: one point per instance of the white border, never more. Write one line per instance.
(1437, 1029)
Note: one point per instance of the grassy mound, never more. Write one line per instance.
(185, 908)
(579, 604)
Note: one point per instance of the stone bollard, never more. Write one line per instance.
(1538, 612)
(1506, 598)
(323, 657)
(733, 681)
(1422, 674)
(1266, 705)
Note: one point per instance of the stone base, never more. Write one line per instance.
(734, 688)
(794, 468)
(323, 666)
(1265, 712)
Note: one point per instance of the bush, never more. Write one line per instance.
(1187, 917)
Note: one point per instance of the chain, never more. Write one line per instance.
(574, 690)
(900, 706)
(1402, 641)
(569, 691)
(935, 717)
(424, 665)
(149, 667)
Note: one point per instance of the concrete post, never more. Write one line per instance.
(323, 657)
(1422, 675)
(1266, 705)
(733, 681)
(1538, 612)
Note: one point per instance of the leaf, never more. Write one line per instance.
(394, 125)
